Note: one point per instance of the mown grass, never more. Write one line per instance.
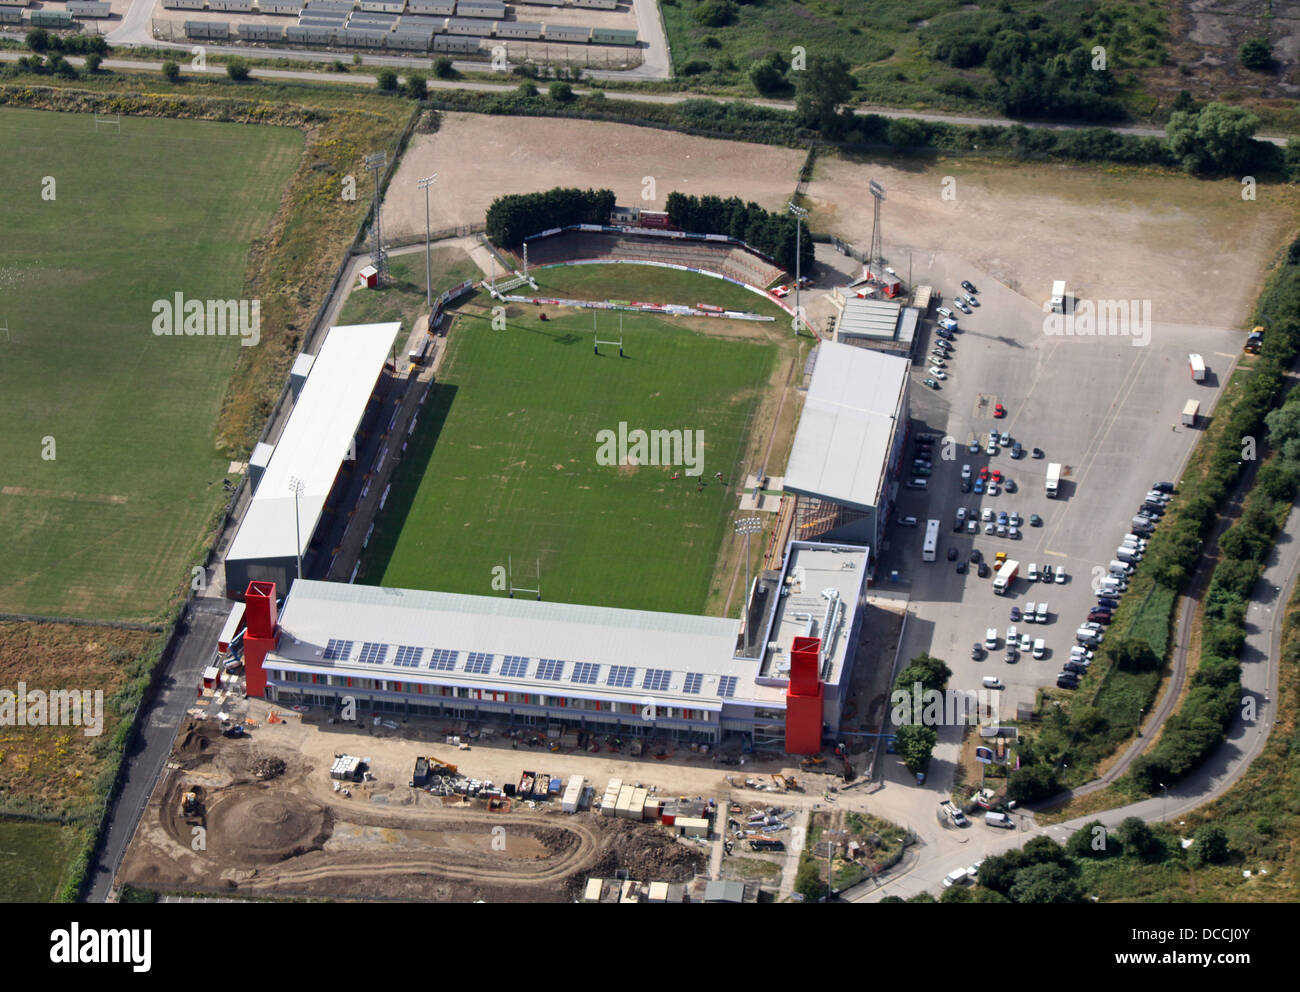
(34, 858)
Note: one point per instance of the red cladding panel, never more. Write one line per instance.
(259, 609)
(803, 723)
(255, 651)
(805, 673)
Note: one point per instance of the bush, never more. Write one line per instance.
(1256, 54)
(561, 92)
(38, 40)
(237, 69)
(1210, 845)
(1032, 783)
(715, 13)
(417, 87)
(768, 75)
(444, 69)
(696, 67)
(93, 61)
(386, 80)
(171, 71)
(527, 90)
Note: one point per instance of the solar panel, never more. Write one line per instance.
(337, 649)
(656, 679)
(727, 686)
(550, 669)
(407, 656)
(513, 666)
(443, 660)
(693, 682)
(373, 653)
(585, 672)
(479, 663)
(620, 676)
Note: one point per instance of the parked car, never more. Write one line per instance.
(1004, 438)
(977, 652)
(1012, 655)
(1033, 572)
(978, 487)
(1015, 520)
(1002, 517)
(972, 527)
(1017, 451)
(965, 485)
(1035, 520)
(961, 568)
(986, 514)
(931, 383)
(917, 484)
(991, 448)
(974, 446)
(976, 556)
(937, 372)
(1163, 487)
(1010, 485)
(970, 300)
(999, 411)
(1040, 648)
(944, 312)
(984, 570)
(1060, 575)
(1107, 602)
(1026, 642)
(1066, 681)
(952, 552)
(994, 489)
(965, 471)
(1015, 614)
(907, 521)
(966, 285)
(1099, 616)
(960, 304)
(1037, 452)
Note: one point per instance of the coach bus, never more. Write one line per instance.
(931, 540)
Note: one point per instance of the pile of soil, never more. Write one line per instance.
(647, 854)
(265, 767)
(266, 827)
(195, 738)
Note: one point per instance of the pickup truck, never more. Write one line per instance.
(954, 814)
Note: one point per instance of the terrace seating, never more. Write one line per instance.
(728, 260)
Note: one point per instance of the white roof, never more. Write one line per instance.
(317, 613)
(315, 441)
(843, 442)
(811, 571)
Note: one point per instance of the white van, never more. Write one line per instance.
(958, 876)
(1086, 636)
(991, 638)
(993, 682)
(1000, 820)
(1040, 648)
(1041, 615)
(1027, 614)
(1118, 568)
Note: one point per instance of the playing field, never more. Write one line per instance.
(110, 476)
(505, 462)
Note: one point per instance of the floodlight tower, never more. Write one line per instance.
(424, 184)
(799, 214)
(747, 526)
(875, 257)
(376, 163)
(297, 488)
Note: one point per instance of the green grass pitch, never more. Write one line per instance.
(503, 462)
(108, 527)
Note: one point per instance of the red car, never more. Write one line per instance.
(984, 474)
(1099, 616)
(999, 411)
(997, 476)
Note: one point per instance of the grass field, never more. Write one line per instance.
(406, 300)
(106, 527)
(34, 858)
(504, 461)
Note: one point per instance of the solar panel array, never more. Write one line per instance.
(443, 660)
(694, 680)
(514, 666)
(585, 672)
(620, 676)
(337, 650)
(408, 656)
(549, 669)
(656, 679)
(373, 653)
(727, 686)
(479, 663)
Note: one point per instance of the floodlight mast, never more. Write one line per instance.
(424, 184)
(875, 256)
(799, 214)
(297, 488)
(376, 163)
(747, 526)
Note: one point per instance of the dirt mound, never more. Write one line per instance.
(646, 853)
(263, 827)
(195, 738)
(266, 767)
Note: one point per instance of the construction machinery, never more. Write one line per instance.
(1254, 340)
(192, 804)
(813, 761)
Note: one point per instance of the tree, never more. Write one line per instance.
(1216, 138)
(1134, 654)
(1256, 54)
(922, 897)
(561, 92)
(444, 69)
(810, 880)
(1032, 782)
(905, 132)
(237, 69)
(916, 743)
(38, 40)
(1044, 883)
(1044, 850)
(527, 90)
(1139, 839)
(171, 71)
(929, 671)
(93, 61)
(998, 872)
(768, 74)
(386, 80)
(1210, 845)
(715, 13)
(823, 86)
(417, 87)
(1093, 840)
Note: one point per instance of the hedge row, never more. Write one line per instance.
(514, 217)
(771, 233)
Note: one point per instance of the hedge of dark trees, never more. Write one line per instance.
(512, 218)
(771, 233)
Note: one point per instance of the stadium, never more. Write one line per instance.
(591, 656)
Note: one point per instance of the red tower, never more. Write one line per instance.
(261, 635)
(804, 697)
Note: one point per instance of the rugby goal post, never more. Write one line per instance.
(111, 122)
(597, 342)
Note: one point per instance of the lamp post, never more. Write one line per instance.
(296, 487)
(424, 184)
(799, 214)
(747, 526)
(1164, 812)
